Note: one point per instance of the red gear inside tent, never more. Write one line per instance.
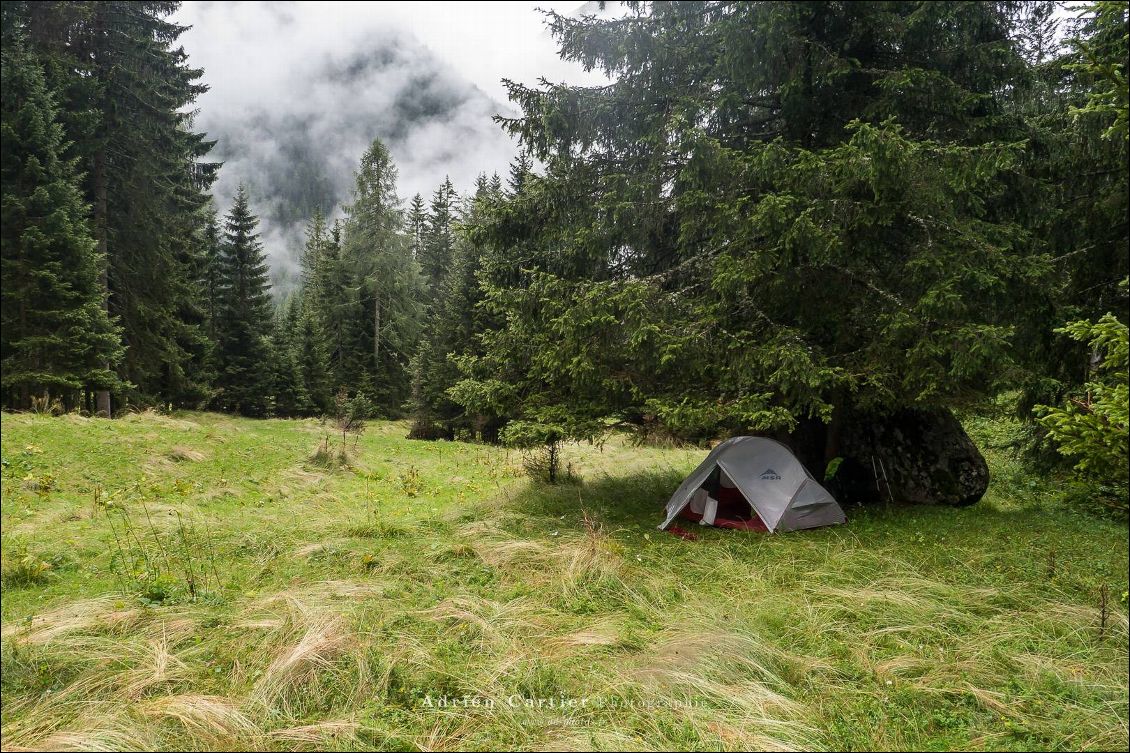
(734, 511)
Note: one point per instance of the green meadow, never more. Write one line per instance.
(196, 581)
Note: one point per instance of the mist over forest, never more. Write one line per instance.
(299, 154)
(282, 129)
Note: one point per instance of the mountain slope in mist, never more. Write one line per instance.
(294, 133)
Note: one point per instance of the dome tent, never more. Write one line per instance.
(781, 492)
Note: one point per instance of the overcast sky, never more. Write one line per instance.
(299, 89)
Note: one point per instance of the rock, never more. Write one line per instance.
(912, 455)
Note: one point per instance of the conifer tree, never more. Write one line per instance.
(128, 92)
(416, 223)
(451, 332)
(520, 169)
(211, 282)
(387, 282)
(336, 305)
(777, 211)
(55, 336)
(313, 363)
(313, 260)
(438, 242)
(291, 397)
(316, 335)
(243, 349)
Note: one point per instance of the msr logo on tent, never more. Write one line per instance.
(770, 475)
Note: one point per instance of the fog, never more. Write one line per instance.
(299, 90)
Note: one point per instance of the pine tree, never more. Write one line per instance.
(243, 350)
(438, 242)
(417, 222)
(55, 337)
(288, 388)
(387, 281)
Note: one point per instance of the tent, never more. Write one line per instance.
(783, 495)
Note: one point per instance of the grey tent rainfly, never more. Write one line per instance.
(767, 487)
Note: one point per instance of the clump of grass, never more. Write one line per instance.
(102, 613)
(153, 417)
(311, 646)
(378, 529)
(209, 717)
(159, 565)
(335, 733)
(457, 551)
(327, 455)
(180, 453)
(23, 568)
(320, 550)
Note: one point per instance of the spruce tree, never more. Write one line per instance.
(55, 336)
(211, 282)
(336, 304)
(451, 332)
(436, 248)
(520, 169)
(777, 211)
(291, 397)
(416, 222)
(128, 92)
(313, 260)
(243, 350)
(1075, 193)
(313, 363)
(387, 281)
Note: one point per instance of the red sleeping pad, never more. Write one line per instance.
(733, 512)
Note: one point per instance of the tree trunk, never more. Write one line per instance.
(376, 330)
(832, 433)
(102, 396)
(25, 392)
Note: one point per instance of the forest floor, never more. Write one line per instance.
(194, 581)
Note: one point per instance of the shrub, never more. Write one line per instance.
(1092, 427)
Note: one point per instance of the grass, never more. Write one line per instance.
(428, 597)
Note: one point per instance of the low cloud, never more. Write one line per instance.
(299, 91)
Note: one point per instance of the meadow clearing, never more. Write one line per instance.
(194, 581)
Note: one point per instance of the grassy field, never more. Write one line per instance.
(194, 581)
